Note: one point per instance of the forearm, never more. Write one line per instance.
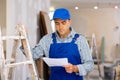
(85, 68)
(34, 53)
(37, 52)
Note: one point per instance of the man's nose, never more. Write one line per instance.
(60, 25)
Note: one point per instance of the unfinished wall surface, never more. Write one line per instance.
(25, 12)
(103, 23)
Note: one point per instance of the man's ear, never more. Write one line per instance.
(69, 23)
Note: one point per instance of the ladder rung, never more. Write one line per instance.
(12, 37)
(19, 63)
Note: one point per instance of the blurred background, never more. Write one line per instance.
(97, 20)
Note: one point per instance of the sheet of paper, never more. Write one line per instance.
(55, 61)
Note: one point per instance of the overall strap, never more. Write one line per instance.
(75, 38)
(54, 37)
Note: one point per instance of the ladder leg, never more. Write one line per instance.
(28, 55)
(2, 58)
(33, 74)
(15, 46)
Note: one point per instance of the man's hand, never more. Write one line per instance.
(71, 68)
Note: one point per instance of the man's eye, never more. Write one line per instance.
(57, 23)
(64, 22)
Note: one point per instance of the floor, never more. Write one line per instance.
(106, 74)
(97, 79)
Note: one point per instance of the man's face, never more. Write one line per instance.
(62, 27)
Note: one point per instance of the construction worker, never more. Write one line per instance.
(65, 43)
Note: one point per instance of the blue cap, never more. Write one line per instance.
(61, 13)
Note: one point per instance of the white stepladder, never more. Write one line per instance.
(96, 73)
(94, 48)
(2, 57)
(7, 66)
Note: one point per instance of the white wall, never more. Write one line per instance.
(25, 12)
(102, 22)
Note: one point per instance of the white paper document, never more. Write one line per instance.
(55, 61)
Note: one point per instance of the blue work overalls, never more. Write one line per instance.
(64, 50)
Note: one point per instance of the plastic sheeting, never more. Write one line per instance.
(21, 72)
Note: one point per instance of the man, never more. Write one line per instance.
(65, 43)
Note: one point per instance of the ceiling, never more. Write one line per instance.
(84, 3)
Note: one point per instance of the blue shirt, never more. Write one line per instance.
(42, 48)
